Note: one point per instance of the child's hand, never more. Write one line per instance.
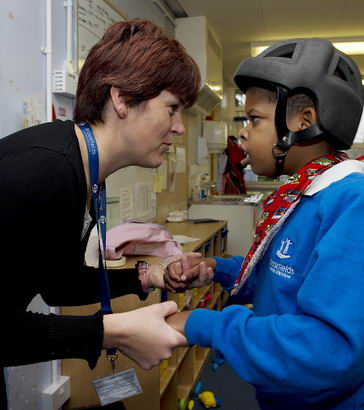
(178, 320)
(175, 263)
(189, 272)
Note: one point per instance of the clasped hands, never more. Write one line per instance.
(150, 334)
(181, 272)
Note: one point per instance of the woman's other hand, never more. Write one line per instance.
(143, 334)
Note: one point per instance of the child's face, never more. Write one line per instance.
(259, 136)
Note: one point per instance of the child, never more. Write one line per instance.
(234, 172)
(302, 344)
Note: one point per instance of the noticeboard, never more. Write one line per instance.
(93, 19)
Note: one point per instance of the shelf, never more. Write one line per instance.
(181, 354)
(165, 378)
(170, 371)
(263, 185)
(213, 301)
(179, 299)
(203, 352)
(184, 368)
(197, 368)
(202, 293)
(183, 392)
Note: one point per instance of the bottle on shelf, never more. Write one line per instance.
(196, 193)
(205, 186)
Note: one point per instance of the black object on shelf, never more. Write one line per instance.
(203, 220)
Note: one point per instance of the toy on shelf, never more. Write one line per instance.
(181, 404)
(217, 362)
(163, 366)
(191, 405)
(197, 389)
(205, 300)
(209, 400)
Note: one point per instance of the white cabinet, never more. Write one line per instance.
(215, 133)
(241, 220)
(200, 41)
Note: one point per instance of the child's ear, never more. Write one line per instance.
(308, 117)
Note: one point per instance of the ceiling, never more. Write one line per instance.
(238, 23)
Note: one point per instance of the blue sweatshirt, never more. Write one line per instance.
(302, 346)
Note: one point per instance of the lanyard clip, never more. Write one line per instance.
(112, 358)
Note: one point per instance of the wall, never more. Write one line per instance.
(166, 201)
(177, 200)
(22, 75)
(142, 8)
(21, 38)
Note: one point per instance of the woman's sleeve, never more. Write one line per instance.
(85, 287)
(35, 337)
(40, 255)
(66, 281)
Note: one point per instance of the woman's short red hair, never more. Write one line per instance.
(141, 60)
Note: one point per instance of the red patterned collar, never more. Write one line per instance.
(278, 206)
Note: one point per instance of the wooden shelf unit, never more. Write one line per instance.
(175, 378)
(183, 370)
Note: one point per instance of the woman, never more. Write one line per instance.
(131, 92)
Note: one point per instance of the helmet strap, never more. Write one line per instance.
(280, 157)
(280, 149)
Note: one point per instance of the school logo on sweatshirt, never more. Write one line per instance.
(284, 252)
(286, 249)
(281, 269)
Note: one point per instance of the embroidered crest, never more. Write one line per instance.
(285, 251)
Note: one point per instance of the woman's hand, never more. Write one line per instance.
(143, 334)
(191, 271)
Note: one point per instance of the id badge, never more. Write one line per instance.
(117, 386)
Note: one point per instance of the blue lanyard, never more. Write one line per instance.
(99, 203)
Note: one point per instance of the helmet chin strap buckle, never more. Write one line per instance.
(279, 154)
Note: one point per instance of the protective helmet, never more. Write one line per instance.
(314, 67)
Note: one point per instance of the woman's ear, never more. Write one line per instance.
(118, 102)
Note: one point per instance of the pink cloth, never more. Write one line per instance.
(140, 238)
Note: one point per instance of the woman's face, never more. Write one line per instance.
(259, 136)
(153, 125)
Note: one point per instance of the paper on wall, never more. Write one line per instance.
(162, 173)
(157, 182)
(126, 204)
(141, 194)
(172, 172)
(202, 151)
(181, 160)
